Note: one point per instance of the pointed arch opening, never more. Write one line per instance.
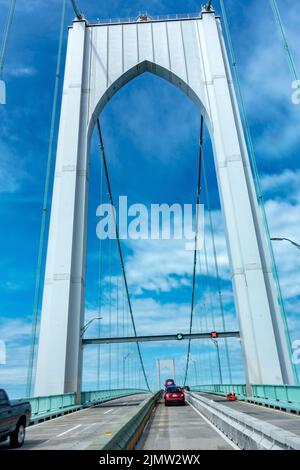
(137, 70)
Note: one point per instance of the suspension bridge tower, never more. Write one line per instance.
(190, 53)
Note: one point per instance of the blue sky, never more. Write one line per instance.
(151, 135)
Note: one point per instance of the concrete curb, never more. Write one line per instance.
(125, 434)
(246, 432)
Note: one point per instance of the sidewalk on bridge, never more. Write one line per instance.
(284, 420)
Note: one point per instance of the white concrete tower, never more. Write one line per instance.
(190, 53)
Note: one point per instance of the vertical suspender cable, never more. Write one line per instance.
(123, 334)
(206, 322)
(45, 207)
(196, 246)
(259, 191)
(100, 285)
(109, 311)
(219, 287)
(291, 62)
(118, 333)
(209, 290)
(120, 251)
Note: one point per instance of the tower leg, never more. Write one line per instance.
(262, 334)
(60, 352)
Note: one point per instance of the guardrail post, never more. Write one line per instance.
(249, 391)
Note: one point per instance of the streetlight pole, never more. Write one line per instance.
(219, 362)
(281, 239)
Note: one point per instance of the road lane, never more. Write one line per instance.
(76, 431)
(181, 428)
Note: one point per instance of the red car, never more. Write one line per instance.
(174, 396)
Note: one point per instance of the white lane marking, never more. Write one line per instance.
(108, 411)
(215, 428)
(69, 430)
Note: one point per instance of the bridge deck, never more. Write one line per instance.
(181, 428)
(282, 419)
(78, 430)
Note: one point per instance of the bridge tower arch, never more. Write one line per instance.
(191, 54)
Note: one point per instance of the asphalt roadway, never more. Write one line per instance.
(180, 427)
(76, 431)
(169, 428)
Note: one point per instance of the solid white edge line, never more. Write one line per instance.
(108, 411)
(69, 430)
(235, 447)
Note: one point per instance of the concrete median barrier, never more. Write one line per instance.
(125, 435)
(246, 432)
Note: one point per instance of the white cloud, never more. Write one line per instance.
(287, 182)
(15, 332)
(20, 71)
(267, 82)
(11, 170)
(284, 221)
(147, 99)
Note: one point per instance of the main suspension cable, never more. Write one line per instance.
(76, 9)
(196, 246)
(6, 34)
(286, 47)
(120, 249)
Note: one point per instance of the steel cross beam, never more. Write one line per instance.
(175, 337)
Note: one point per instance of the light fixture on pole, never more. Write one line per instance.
(281, 239)
(85, 327)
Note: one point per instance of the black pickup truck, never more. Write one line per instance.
(14, 417)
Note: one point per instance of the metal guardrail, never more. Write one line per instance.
(47, 404)
(126, 434)
(103, 395)
(138, 19)
(280, 396)
(289, 393)
(238, 389)
(53, 405)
